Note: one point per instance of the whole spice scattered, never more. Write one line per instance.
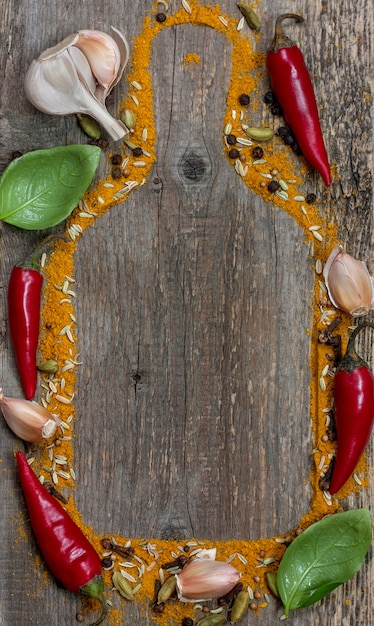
(234, 153)
(250, 15)
(76, 75)
(273, 186)
(292, 84)
(212, 620)
(124, 551)
(160, 17)
(270, 97)
(349, 283)
(167, 590)
(205, 579)
(89, 126)
(48, 367)
(354, 410)
(231, 140)
(24, 297)
(123, 586)
(28, 420)
(244, 99)
(259, 134)
(67, 552)
(257, 152)
(240, 606)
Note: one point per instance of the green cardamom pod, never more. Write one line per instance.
(123, 586)
(260, 134)
(49, 367)
(167, 589)
(212, 620)
(89, 126)
(271, 579)
(240, 606)
(251, 17)
(128, 117)
(130, 144)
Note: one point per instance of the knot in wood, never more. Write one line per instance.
(193, 167)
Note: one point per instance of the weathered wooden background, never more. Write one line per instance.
(194, 296)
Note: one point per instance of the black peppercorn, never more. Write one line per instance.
(270, 97)
(137, 152)
(187, 621)
(107, 562)
(273, 186)
(289, 139)
(116, 172)
(296, 148)
(276, 109)
(282, 131)
(244, 99)
(234, 153)
(231, 140)
(116, 159)
(160, 17)
(257, 152)
(311, 197)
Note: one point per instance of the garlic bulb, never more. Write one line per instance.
(76, 75)
(349, 284)
(27, 419)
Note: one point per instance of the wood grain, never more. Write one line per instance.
(193, 301)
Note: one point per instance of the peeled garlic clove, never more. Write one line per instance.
(27, 419)
(348, 282)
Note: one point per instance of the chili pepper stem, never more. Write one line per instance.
(281, 40)
(94, 589)
(351, 360)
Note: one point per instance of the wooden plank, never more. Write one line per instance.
(194, 297)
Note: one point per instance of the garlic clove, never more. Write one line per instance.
(107, 56)
(27, 419)
(83, 68)
(348, 282)
(205, 579)
(102, 53)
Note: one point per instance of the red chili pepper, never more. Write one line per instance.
(354, 411)
(24, 295)
(291, 83)
(67, 552)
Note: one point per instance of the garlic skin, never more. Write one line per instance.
(349, 284)
(27, 419)
(205, 579)
(76, 75)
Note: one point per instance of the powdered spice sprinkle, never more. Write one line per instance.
(99, 201)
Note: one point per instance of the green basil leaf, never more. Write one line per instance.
(41, 188)
(324, 556)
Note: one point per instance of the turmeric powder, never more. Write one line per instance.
(58, 332)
